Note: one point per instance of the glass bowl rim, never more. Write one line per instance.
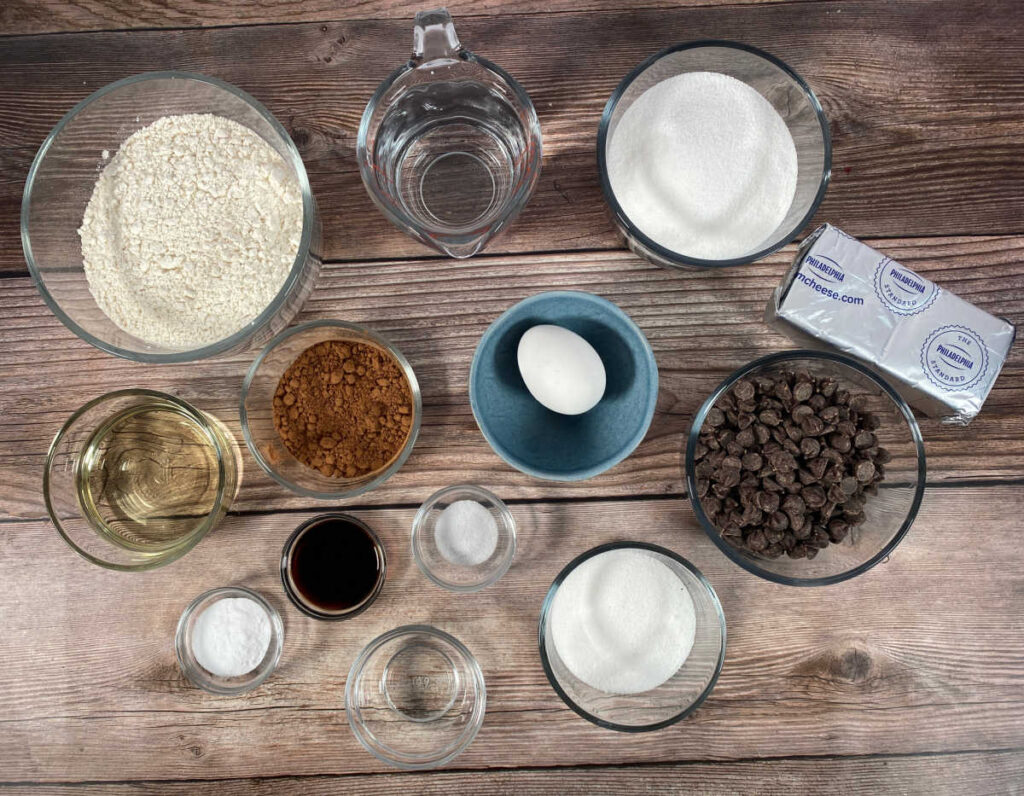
(276, 639)
(546, 608)
(796, 355)
(676, 259)
(195, 536)
(290, 543)
(507, 520)
(452, 750)
(294, 274)
(384, 474)
(609, 462)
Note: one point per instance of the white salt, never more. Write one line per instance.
(623, 622)
(466, 533)
(703, 165)
(231, 637)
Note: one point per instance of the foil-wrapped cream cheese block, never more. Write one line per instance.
(942, 353)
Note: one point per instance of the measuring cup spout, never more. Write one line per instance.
(434, 37)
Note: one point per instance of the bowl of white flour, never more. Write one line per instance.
(168, 217)
(711, 154)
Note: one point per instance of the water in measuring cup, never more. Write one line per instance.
(451, 155)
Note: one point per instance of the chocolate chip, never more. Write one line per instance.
(810, 448)
(803, 391)
(752, 461)
(743, 390)
(865, 471)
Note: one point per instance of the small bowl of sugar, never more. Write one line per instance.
(463, 538)
(229, 640)
(632, 636)
(712, 154)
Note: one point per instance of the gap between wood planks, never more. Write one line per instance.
(457, 13)
(429, 256)
(983, 483)
(588, 767)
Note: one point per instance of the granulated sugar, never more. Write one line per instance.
(623, 622)
(191, 230)
(466, 533)
(703, 165)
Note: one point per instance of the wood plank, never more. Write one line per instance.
(927, 125)
(49, 16)
(905, 659)
(435, 312)
(961, 774)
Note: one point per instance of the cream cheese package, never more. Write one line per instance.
(941, 353)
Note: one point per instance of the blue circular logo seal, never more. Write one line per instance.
(901, 290)
(954, 358)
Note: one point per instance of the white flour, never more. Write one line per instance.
(191, 230)
(704, 165)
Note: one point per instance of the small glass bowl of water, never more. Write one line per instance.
(788, 94)
(136, 478)
(415, 697)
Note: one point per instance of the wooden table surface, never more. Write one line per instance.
(909, 678)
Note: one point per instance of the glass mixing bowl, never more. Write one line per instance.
(415, 697)
(889, 514)
(257, 411)
(61, 182)
(777, 83)
(674, 699)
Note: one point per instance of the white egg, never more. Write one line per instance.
(561, 369)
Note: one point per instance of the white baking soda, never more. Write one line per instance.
(230, 637)
(703, 165)
(623, 622)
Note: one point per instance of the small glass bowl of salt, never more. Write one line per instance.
(229, 640)
(464, 538)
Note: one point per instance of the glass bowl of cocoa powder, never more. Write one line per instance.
(330, 409)
(805, 468)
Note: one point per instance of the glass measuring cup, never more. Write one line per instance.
(449, 146)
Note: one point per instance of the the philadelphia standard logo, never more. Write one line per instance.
(901, 290)
(826, 268)
(954, 358)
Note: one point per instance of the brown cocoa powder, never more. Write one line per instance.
(343, 408)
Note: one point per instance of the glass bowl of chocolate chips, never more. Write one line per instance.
(805, 468)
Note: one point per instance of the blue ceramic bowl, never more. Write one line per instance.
(546, 444)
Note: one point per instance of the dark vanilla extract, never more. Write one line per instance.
(333, 567)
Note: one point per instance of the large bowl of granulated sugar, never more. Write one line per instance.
(632, 636)
(712, 154)
(168, 217)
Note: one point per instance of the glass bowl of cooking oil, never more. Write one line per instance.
(135, 478)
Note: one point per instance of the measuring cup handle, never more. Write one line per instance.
(434, 36)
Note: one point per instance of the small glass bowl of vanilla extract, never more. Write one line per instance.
(333, 566)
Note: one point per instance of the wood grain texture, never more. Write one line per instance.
(927, 125)
(928, 775)
(701, 327)
(50, 16)
(833, 671)
(904, 659)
